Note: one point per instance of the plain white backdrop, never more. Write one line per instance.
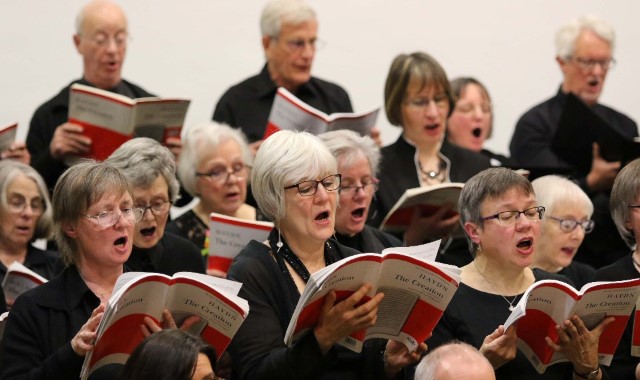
(198, 48)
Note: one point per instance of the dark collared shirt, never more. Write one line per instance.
(247, 104)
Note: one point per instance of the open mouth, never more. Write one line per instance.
(525, 243)
(431, 127)
(358, 213)
(476, 131)
(593, 82)
(149, 231)
(121, 241)
(568, 251)
(322, 216)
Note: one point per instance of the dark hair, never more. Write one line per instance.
(167, 355)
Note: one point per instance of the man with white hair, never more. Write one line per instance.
(289, 40)
(454, 361)
(584, 52)
(101, 39)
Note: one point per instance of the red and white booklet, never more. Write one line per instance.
(548, 303)
(290, 113)
(18, 280)
(228, 235)
(111, 119)
(416, 291)
(138, 295)
(7, 135)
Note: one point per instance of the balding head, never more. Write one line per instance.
(455, 361)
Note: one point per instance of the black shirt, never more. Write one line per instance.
(172, 254)
(247, 104)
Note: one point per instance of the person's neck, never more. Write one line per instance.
(504, 278)
(292, 88)
(100, 279)
(11, 254)
(101, 84)
(310, 252)
(545, 265)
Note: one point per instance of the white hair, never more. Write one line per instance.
(449, 355)
(346, 146)
(278, 12)
(552, 190)
(567, 36)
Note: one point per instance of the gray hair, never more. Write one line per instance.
(346, 146)
(142, 160)
(278, 12)
(204, 139)
(552, 190)
(91, 6)
(285, 158)
(77, 189)
(9, 170)
(490, 183)
(568, 34)
(458, 351)
(625, 192)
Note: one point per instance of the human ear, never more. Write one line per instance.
(473, 231)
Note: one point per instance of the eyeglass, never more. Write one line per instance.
(309, 187)
(298, 45)
(441, 101)
(222, 175)
(568, 225)
(466, 108)
(19, 205)
(102, 39)
(511, 217)
(158, 208)
(590, 64)
(366, 187)
(109, 218)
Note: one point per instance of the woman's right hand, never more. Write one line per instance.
(85, 338)
(345, 317)
(500, 347)
(424, 228)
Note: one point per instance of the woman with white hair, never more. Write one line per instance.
(566, 221)
(358, 158)
(295, 183)
(151, 170)
(214, 166)
(25, 215)
(625, 210)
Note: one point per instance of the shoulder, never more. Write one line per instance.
(540, 274)
(58, 101)
(181, 244)
(138, 91)
(329, 87)
(387, 240)
(542, 108)
(254, 257)
(251, 85)
(623, 269)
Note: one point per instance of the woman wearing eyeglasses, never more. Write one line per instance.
(51, 327)
(567, 219)
(625, 211)
(214, 166)
(358, 158)
(25, 215)
(151, 169)
(418, 99)
(501, 218)
(295, 182)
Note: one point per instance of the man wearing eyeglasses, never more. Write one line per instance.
(585, 56)
(101, 39)
(289, 39)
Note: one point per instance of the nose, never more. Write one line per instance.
(147, 211)
(432, 109)
(321, 194)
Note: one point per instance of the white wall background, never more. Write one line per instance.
(198, 48)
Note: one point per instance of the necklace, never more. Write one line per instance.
(433, 175)
(511, 307)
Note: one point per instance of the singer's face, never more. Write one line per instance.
(579, 79)
(470, 122)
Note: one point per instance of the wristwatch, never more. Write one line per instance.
(591, 375)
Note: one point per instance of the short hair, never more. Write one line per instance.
(428, 366)
(552, 190)
(142, 160)
(346, 146)
(285, 158)
(568, 34)
(407, 69)
(278, 12)
(9, 170)
(490, 183)
(89, 6)
(625, 192)
(458, 87)
(77, 189)
(170, 354)
(203, 139)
